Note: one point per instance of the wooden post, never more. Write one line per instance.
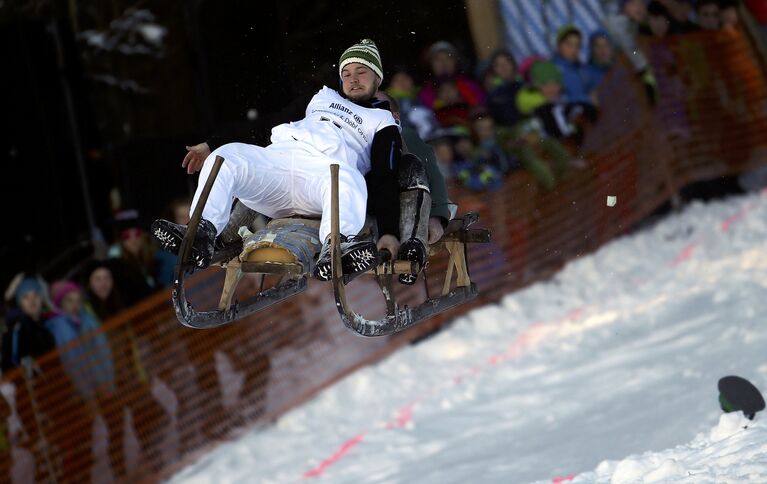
(485, 25)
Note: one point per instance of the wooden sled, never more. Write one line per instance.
(287, 248)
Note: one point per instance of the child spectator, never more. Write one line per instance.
(576, 80)
(25, 334)
(488, 152)
(444, 152)
(531, 139)
(414, 115)
(454, 150)
(443, 61)
(450, 108)
(601, 56)
(658, 20)
(729, 18)
(543, 100)
(104, 299)
(708, 15)
(505, 83)
(89, 363)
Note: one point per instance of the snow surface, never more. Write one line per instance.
(618, 355)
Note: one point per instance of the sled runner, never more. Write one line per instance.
(287, 248)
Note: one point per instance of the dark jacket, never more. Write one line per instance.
(439, 201)
(24, 337)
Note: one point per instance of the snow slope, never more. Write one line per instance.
(618, 355)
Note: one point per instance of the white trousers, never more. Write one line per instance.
(285, 178)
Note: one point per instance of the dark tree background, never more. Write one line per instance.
(147, 77)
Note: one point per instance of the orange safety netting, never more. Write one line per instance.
(171, 393)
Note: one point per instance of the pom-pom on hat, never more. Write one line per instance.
(365, 53)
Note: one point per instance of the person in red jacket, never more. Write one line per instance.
(443, 61)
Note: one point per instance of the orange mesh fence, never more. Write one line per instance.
(144, 396)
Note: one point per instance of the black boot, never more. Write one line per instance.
(412, 250)
(357, 256)
(170, 236)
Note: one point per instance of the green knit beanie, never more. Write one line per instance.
(566, 30)
(365, 53)
(543, 72)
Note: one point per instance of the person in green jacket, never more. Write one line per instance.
(528, 140)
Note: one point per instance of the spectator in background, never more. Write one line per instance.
(488, 151)
(450, 107)
(601, 56)
(730, 19)
(505, 82)
(164, 262)
(415, 116)
(481, 169)
(89, 363)
(134, 258)
(444, 153)
(443, 62)
(624, 30)
(680, 11)
(25, 333)
(577, 83)
(531, 140)
(103, 297)
(708, 15)
(658, 20)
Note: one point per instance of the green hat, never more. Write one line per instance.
(545, 71)
(365, 53)
(566, 30)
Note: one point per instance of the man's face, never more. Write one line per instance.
(635, 10)
(708, 16)
(569, 47)
(729, 17)
(550, 90)
(448, 93)
(382, 96)
(31, 304)
(679, 9)
(101, 282)
(602, 51)
(132, 240)
(658, 24)
(72, 303)
(359, 82)
(484, 128)
(401, 81)
(443, 64)
(504, 68)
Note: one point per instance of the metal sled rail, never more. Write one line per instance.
(185, 312)
(398, 319)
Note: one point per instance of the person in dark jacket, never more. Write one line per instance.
(25, 333)
(102, 295)
(133, 258)
(506, 83)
